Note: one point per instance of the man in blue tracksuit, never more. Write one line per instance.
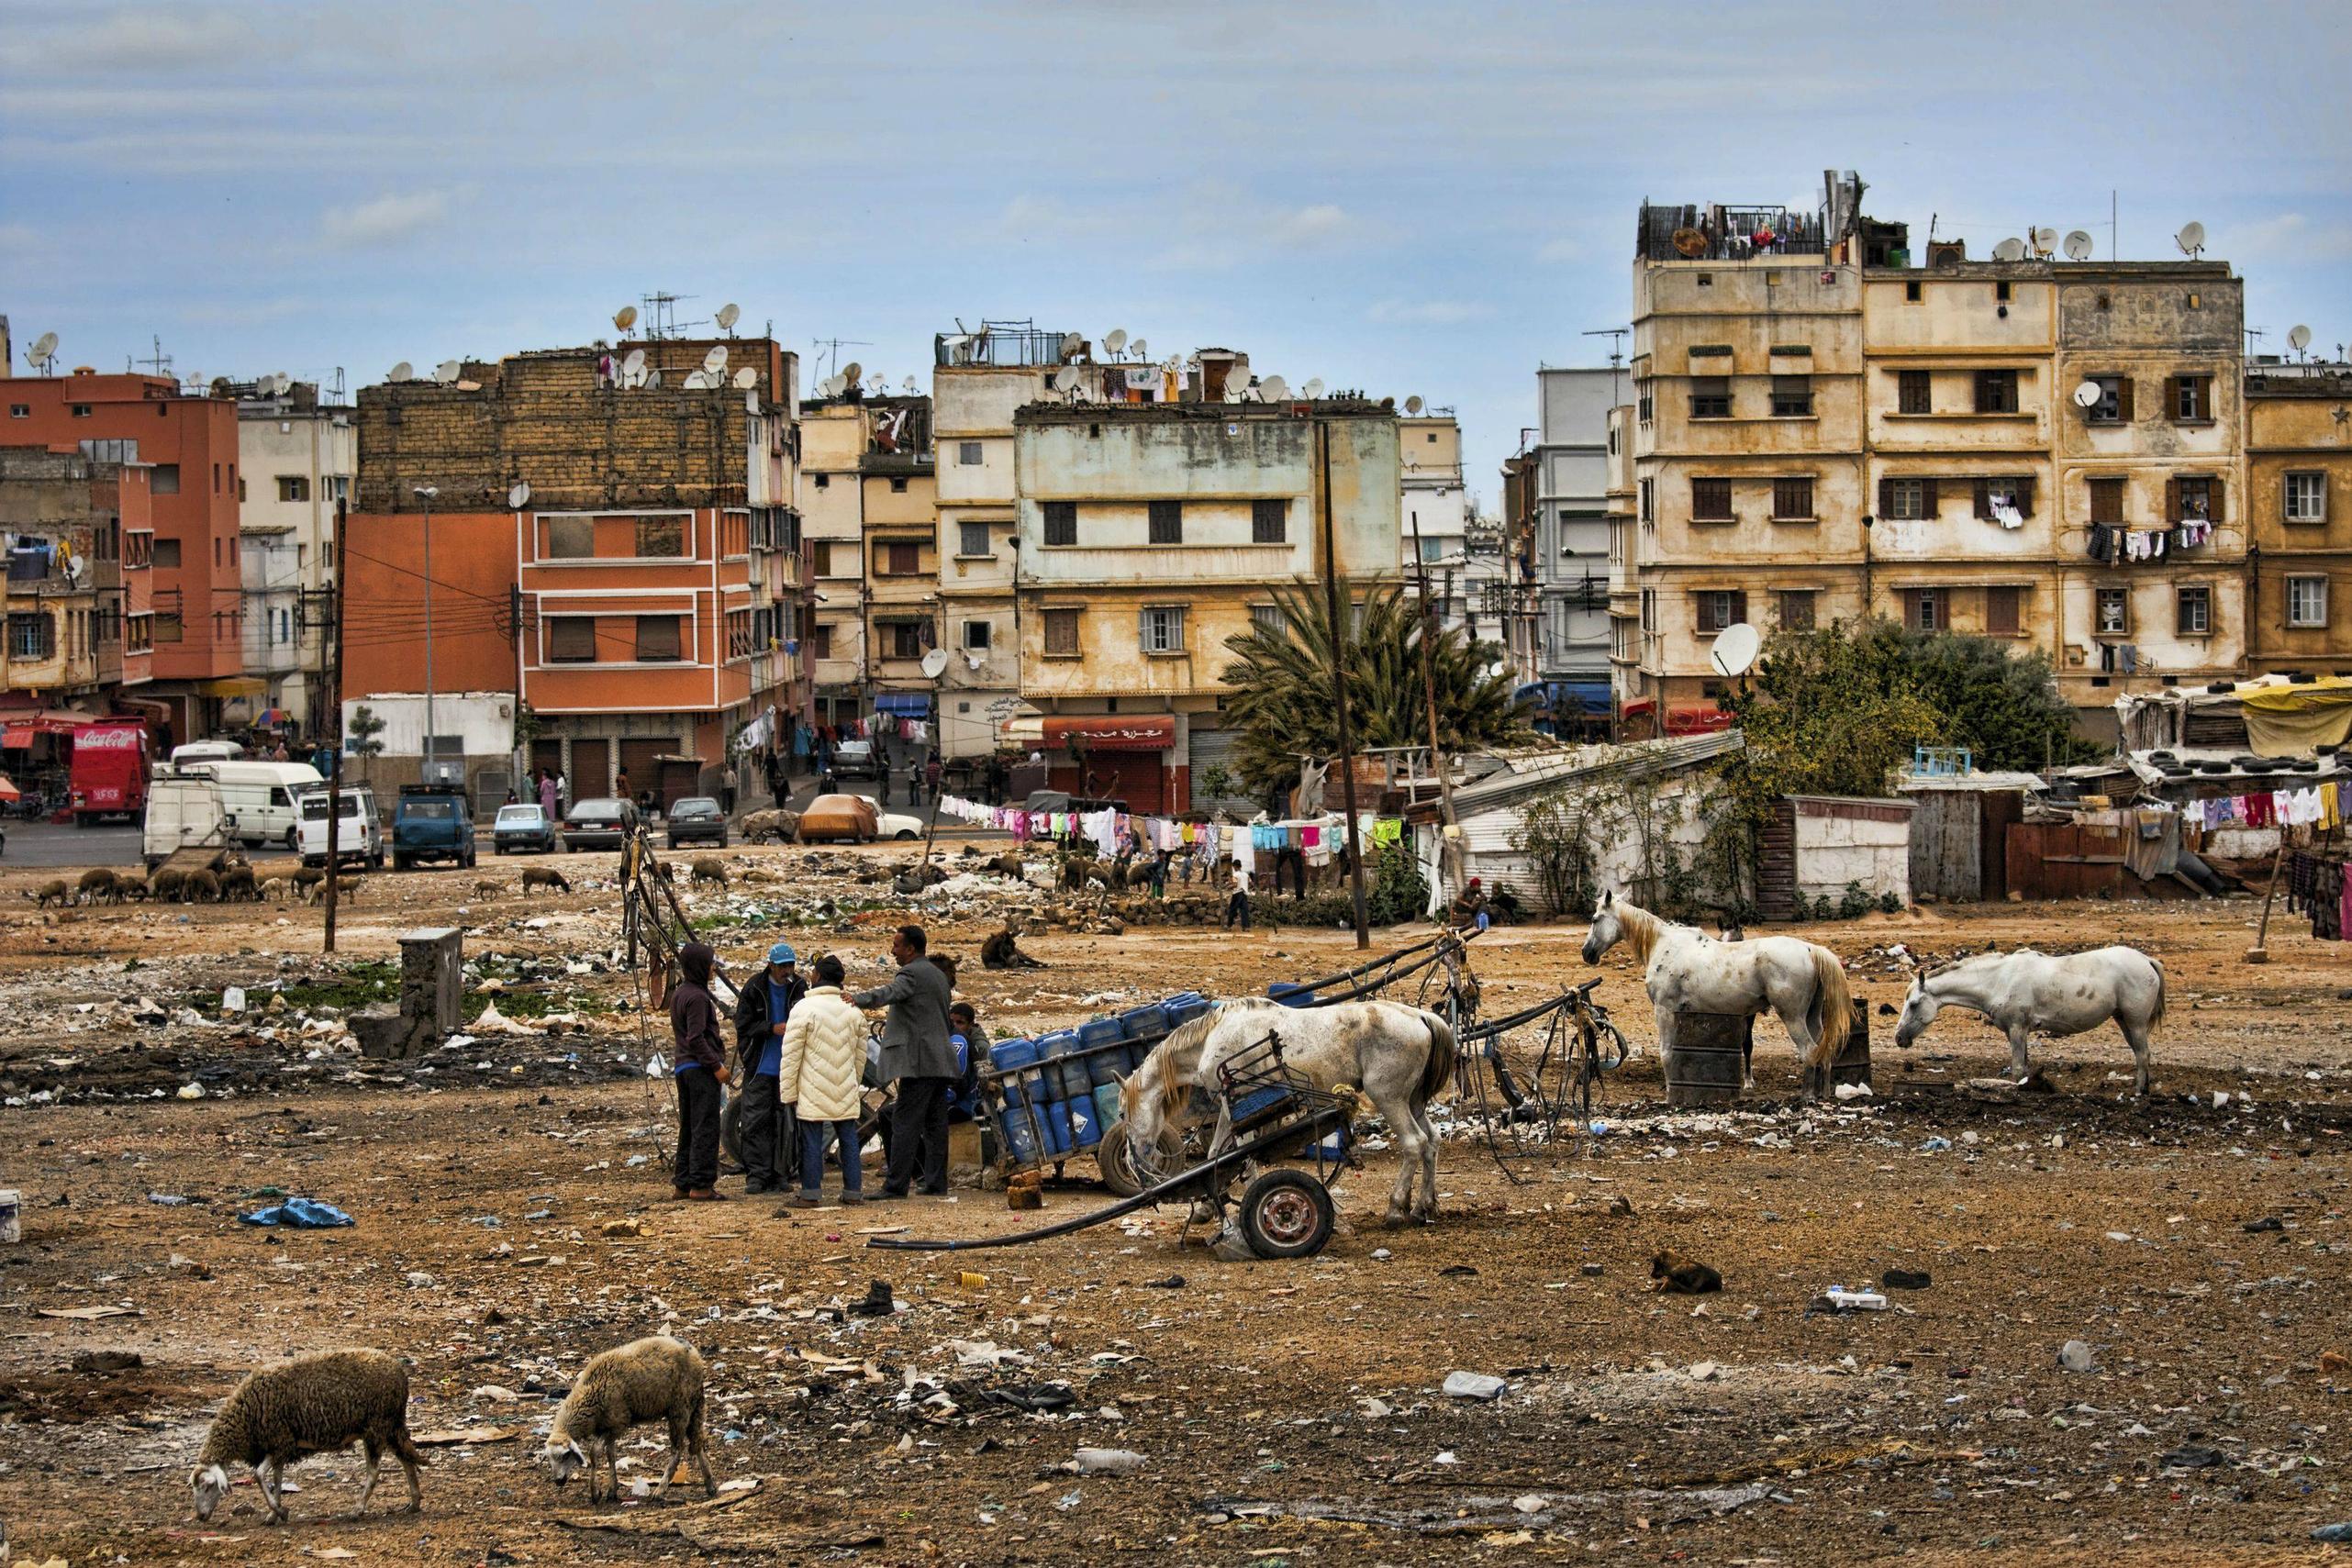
(771, 1137)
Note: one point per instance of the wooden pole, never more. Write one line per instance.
(2260, 951)
(1340, 638)
(335, 693)
(1449, 843)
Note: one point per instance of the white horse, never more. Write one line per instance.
(1400, 1057)
(2026, 992)
(1688, 972)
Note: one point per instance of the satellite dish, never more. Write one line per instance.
(717, 359)
(934, 663)
(519, 496)
(625, 318)
(2079, 245)
(2009, 251)
(1413, 404)
(2045, 240)
(1232, 392)
(1313, 390)
(445, 372)
(2088, 395)
(1274, 389)
(1736, 649)
(1072, 343)
(1141, 352)
(695, 382)
(852, 373)
(1066, 379)
(404, 371)
(2299, 337)
(1115, 339)
(43, 347)
(746, 378)
(1689, 242)
(633, 363)
(2191, 238)
(651, 378)
(728, 316)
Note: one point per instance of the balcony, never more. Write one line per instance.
(1721, 233)
(1002, 345)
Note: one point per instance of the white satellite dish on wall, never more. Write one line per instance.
(1413, 404)
(852, 373)
(1313, 390)
(1736, 649)
(2045, 242)
(625, 318)
(2191, 238)
(728, 316)
(518, 495)
(2009, 251)
(1114, 340)
(934, 663)
(715, 360)
(1274, 389)
(633, 363)
(445, 372)
(2299, 337)
(2078, 244)
(746, 378)
(2088, 394)
(404, 371)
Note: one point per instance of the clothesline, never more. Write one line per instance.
(1314, 838)
(2318, 806)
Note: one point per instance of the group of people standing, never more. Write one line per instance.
(802, 1061)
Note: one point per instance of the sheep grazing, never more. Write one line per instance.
(319, 1404)
(239, 883)
(540, 877)
(307, 878)
(98, 886)
(200, 887)
(51, 892)
(709, 868)
(488, 888)
(166, 884)
(129, 886)
(655, 1379)
(272, 890)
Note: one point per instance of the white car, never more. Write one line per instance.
(896, 825)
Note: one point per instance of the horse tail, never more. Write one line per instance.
(1444, 1051)
(2156, 1015)
(1834, 1000)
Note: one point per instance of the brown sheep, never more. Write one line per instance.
(319, 1404)
(165, 883)
(51, 892)
(709, 868)
(129, 886)
(486, 888)
(541, 876)
(97, 886)
(237, 883)
(307, 878)
(200, 887)
(653, 1379)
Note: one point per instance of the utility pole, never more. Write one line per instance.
(1341, 630)
(426, 494)
(1449, 843)
(334, 768)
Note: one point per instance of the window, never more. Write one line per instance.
(1162, 628)
(1649, 609)
(968, 453)
(167, 553)
(1792, 397)
(164, 626)
(1061, 634)
(1269, 522)
(570, 538)
(1797, 609)
(2196, 499)
(2114, 611)
(571, 640)
(2000, 291)
(1719, 608)
(138, 634)
(905, 639)
(1062, 523)
(139, 548)
(2011, 491)
(824, 482)
(657, 639)
(1996, 392)
(1167, 522)
(1649, 500)
(20, 411)
(1792, 499)
(1710, 397)
(1711, 501)
(1906, 499)
(972, 538)
(1645, 404)
(165, 480)
(899, 485)
(2306, 601)
(2107, 501)
(977, 634)
(1925, 609)
(1914, 394)
(2001, 611)
(2303, 498)
(820, 557)
(901, 560)
(2192, 612)
(1911, 291)
(293, 487)
(1269, 619)
(2192, 399)
(82, 411)
(1433, 549)
(2115, 405)
(32, 636)
(661, 539)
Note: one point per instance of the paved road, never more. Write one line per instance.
(42, 844)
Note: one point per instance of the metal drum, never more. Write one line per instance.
(1853, 1064)
(1709, 1059)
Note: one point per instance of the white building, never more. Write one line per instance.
(1572, 527)
(294, 460)
(1462, 562)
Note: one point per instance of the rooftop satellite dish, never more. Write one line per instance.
(1689, 242)
(912, 387)
(2009, 251)
(2299, 337)
(43, 347)
(851, 371)
(728, 316)
(1233, 390)
(696, 380)
(625, 318)
(1413, 404)
(445, 372)
(717, 359)
(1274, 389)
(934, 663)
(633, 363)
(1736, 649)
(2045, 240)
(2088, 395)
(651, 378)
(2191, 238)
(519, 496)
(746, 378)
(1072, 343)
(2079, 245)
(404, 371)
(1313, 390)
(1141, 352)
(1115, 339)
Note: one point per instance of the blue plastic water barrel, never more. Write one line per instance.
(1012, 1126)
(1058, 1126)
(1086, 1127)
(1051, 1049)
(1292, 994)
(1107, 1106)
(1144, 1023)
(1087, 1071)
(1185, 1006)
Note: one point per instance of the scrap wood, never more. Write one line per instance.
(455, 1435)
(91, 1314)
(671, 1519)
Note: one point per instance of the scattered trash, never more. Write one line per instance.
(300, 1214)
(1173, 1282)
(1845, 1299)
(1473, 1385)
(2075, 1356)
(2333, 1361)
(1705, 1372)
(1906, 1279)
(1620, 1208)
(1589, 1271)
(875, 1304)
(1853, 1091)
(1107, 1461)
(192, 1091)
(1936, 1145)
(97, 1363)
(167, 1200)
(232, 999)
(1381, 1254)
(1458, 1270)
(1373, 1409)
(2269, 1222)
(967, 1280)
(12, 1217)
(2339, 1534)
(2190, 1456)
(621, 1228)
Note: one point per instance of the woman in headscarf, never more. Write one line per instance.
(701, 1055)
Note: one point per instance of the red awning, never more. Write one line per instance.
(16, 738)
(1114, 732)
(1696, 720)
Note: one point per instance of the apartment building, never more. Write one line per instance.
(618, 552)
(2299, 512)
(869, 500)
(1149, 533)
(297, 458)
(188, 446)
(834, 435)
(1569, 514)
(81, 539)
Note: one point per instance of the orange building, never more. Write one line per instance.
(194, 620)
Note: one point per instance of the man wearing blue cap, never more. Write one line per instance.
(771, 1142)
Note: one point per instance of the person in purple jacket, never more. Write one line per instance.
(701, 1055)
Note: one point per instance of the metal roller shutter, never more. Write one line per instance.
(1216, 748)
(591, 775)
(642, 759)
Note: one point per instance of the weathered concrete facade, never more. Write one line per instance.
(296, 460)
(2298, 500)
(974, 407)
(1571, 520)
(78, 580)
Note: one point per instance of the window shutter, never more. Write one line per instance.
(1984, 500)
(2172, 385)
(2025, 494)
(1142, 629)
(1927, 498)
(1739, 606)
(1886, 498)
(2124, 401)
(2217, 510)
(2171, 502)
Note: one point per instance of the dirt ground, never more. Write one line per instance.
(511, 1222)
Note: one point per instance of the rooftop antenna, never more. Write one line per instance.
(1616, 336)
(1313, 390)
(2251, 334)
(662, 313)
(2079, 245)
(832, 347)
(913, 388)
(404, 371)
(2299, 337)
(2191, 238)
(1274, 389)
(2045, 243)
(729, 314)
(44, 353)
(1071, 344)
(158, 363)
(445, 372)
(1141, 352)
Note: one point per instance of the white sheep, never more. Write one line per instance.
(653, 1379)
(319, 1404)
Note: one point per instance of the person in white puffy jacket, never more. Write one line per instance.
(818, 1074)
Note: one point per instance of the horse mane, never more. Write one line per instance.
(1642, 929)
(1189, 1035)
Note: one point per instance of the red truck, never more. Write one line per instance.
(111, 761)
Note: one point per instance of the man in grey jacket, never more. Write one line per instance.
(919, 1055)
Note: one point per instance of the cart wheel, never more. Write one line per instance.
(1286, 1214)
(731, 1131)
(1111, 1158)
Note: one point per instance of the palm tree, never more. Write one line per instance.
(1282, 699)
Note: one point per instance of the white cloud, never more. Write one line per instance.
(1429, 312)
(1308, 225)
(139, 40)
(387, 220)
(2287, 236)
(1562, 250)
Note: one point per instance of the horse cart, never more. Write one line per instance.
(1267, 1112)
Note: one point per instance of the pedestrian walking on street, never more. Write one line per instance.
(771, 1143)
(727, 779)
(702, 1072)
(1238, 905)
(551, 799)
(920, 1057)
(931, 771)
(822, 1062)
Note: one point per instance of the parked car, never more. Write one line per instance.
(696, 819)
(840, 817)
(521, 827)
(257, 798)
(357, 835)
(600, 824)
(856, 760)
(898, 824)
(431, 822)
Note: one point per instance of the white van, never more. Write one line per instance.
(183, 809)
(257, 798)
(358, 835)
(198, 755)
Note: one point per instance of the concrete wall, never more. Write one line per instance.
(2291, 429)
(1863, 841)
(485, 721)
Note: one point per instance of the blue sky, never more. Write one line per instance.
(1424, 198)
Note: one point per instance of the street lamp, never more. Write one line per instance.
(427, 493)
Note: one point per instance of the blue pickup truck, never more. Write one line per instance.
(431, 823)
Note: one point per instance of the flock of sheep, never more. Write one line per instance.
(233, 883)
(324, 1404)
